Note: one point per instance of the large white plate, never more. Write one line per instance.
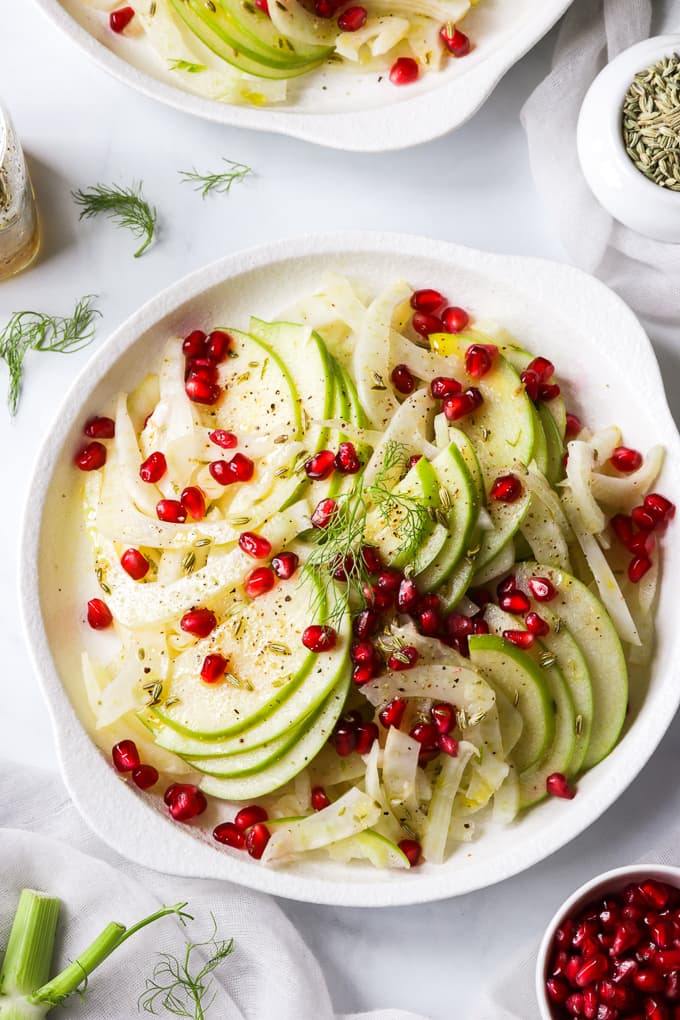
(611, 375)
(356, 112)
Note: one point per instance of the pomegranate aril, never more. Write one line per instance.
(642, 518)
(574, 1004)
(558, 991)
(557, 786)
(203, 369)
(145, 776)
(461, 404)
(548, 391)
(371, 558)
(444, 717)
(479, 359)
(667, 960)
(227, 834)
(411, 849)
(638, 567)
(392, 713)
(625, 460)
(319, 638)
(366, 623)
(427, 300)
(515, 602)
(403, 379)
(194, 344)
(655, 1009)
(362, 653)
(249, 816)
(506, 489)
(625, 971)
(120, 19)
(321, 465)
(202, 392)
(254, 545)
(448, 745)
(585, 930)
(198, 622)
(506, 586)
(672, 987)
(187, 802)
(257, 839)
(590, 1004)
(324, 511)
(352, 19)
(240, 467)
(284, 565)
(404, 658)
(125, 756)
(648, 980)
(661, 508)
(592, 970)
(425, 733)
(135, 564)
(656, 894)
(171, 511)
(99, 615)
(404, 71)
(662, 932)
(91, 457)
(425, 324)
(213, 668)
(408, 595)
(363, 674)
(622, 526)
(456, 42)
(520, 638)
(458, 625)
(429, 621)
(193, 501)
(389, 580)
(442, 387)
(626, 936)
(574, 426)
(347, 460)
(319, 799)
(218, 345)
(367, 734)
(536, 625)
(259, 581)
(100, 428)
(455, 319)
(345, 739)
(226, 440)
(153, 468)
(532, 384)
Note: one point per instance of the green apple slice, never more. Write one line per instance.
(458, 502)
(554, 471)
(456, 584)
(400, 526)
(260, 395)
(265, 37)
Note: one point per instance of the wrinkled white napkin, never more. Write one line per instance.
(44, 844)
(645, 273)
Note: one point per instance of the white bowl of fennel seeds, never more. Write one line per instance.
(628, 138)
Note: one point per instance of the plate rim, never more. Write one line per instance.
(388, 128)
(84, 768)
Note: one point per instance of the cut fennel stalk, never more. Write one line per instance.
(25, 991)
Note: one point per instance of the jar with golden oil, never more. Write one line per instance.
(19, 227)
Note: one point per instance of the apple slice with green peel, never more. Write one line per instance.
(368, 845)
(554, 471)
(280, 772)
(400, 525)
(507, 667)
(589, 623)
(259, 27)
(458, 504)
(467, 452)
(456, 584)
(506, 520)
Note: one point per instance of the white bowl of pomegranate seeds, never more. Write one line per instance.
(367, 110)
(141, 796)
(612, 951)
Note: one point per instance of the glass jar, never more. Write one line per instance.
(19, 227)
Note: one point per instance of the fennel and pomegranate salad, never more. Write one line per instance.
(370, 587)
(247, 51)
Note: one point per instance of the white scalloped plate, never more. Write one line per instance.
(355, 112)
(566, 315)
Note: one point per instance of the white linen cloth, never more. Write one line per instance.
(44, 844)
(645, 273)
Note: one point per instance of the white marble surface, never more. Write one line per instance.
(79, 127)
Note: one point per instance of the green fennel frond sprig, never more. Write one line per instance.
(125, 206)
(218, 182)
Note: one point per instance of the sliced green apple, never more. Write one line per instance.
(458, 505)
(399, 526)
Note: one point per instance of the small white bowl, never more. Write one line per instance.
(612, 176)
(608, 882)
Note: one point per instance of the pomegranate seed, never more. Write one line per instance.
(425, 733)
(648, 980)
(393, 713)
(202, 392)
(429, 621)
(667, 960)
(571, 969)
(362, 653)
(135, 564)
(638, 567)
(479, 359)
(249, 816)
(367, 734)
(659, 507)
(240, 467)
(227, 834)
(642, 544)
(366, 624)
(625, 971)
(346, 459)
(404, 71)
(193, 501)
(672, 989)
(543, 368)
(662, 932)
(515, 602)
(626, 936)
(456, 42)
(263, 5)
(285, 564)
(575, 1004)
(145, 776)
(642, 518)
(427, 300)
(460, 404)
(557, 786)
(218, 345)
(586, 930)
(91, 457)
(532, 384)
(198, 622)
(564, 933)
(548, 391)
(448, 745)
(479, 625)
(590, 1004)
(259, 582)
(319, 638)
(506, 489)
(319, 798)
(125, 756)
(194, 344)
(574, 426)
(625, 460)
(120, 19)
(536, 625)
(100, 428)
(323, 513)
(655, 1010)
(213, 668)
(402, 379)
(352, 19)
(186, 802)
(227, 440)
(99, 615)
(558, 991)
(520, 638)
(444, 717)
(458, 625)
(254, 545)
(405, 658)
(363, 674)
(594, 969)
(171, 510)
(425, 324)
(411, 849)
(345, 739)
(257, 839)
(371, 558)
(442, 387)
(408, 595)
(203, 369)
(506, 586)
(321, 465)
(455, 319)
(622, 527)
(326, 8)
(153, 468)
